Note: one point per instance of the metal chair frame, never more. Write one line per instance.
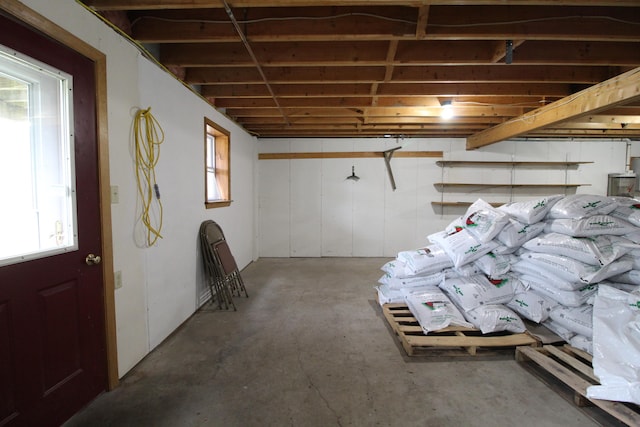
(229, 268)
(222, 272)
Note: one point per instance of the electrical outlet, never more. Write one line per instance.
(118, 279)
(115, 195)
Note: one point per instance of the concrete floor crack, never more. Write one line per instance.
(314, 386)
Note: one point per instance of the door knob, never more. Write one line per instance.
(92, 259)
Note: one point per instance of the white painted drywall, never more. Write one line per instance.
(162, 285)
(309, 208)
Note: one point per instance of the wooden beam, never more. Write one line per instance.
(277, 25)
(416, 112)
(388, 89)
(200, 4)
(288, 75)
(391, 54)
(514, 73)
(358, 125)
(409, 53)
(345, 155)
(481, 122)
(388, 74)
(533, 23)
(501, 74)
(619, 90)
(421, 25)
(595, 125)
(445, 23)
(608, 119)
(533, 52)
(469, 105)
(288, 133)
(584, 133)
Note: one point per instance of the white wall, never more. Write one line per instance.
(308, 208)
(162, 285)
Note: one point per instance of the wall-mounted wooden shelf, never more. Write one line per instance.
(466, 184)
(512, 187)
(462, 204)
(346, 155)
(449, 163)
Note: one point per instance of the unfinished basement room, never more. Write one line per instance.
(239, 213)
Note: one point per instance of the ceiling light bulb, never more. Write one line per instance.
(447, 110)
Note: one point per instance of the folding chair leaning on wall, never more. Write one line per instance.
(223, 276)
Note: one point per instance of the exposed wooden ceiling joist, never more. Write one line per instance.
(198, 4)
(374, 67)
(404, 74)
(385, 23)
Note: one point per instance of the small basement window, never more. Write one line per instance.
(217, 165)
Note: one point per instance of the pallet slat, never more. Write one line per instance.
(450, 341)
(572, 361)
(561, 363)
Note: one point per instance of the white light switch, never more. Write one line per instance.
(115, 194)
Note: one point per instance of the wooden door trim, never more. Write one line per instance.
(41, 23)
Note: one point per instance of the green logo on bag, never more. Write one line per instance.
(591, 205)
(522, 303)
(507, 319)
(472, 249)
(524, 229)
(457, 289)
(602, 223)
(636, 305)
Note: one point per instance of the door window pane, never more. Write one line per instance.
(37, 183)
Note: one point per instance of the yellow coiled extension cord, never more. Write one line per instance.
(148, 136)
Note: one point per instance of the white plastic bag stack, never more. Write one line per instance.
(540, 259)
(480, 283)
(581, 246)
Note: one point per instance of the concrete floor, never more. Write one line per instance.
(310, 347)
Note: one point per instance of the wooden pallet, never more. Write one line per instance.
(573, 368)
(450, 341)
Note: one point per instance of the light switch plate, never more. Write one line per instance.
(118, 279)
(115, 194)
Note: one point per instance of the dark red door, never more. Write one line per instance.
(52, 333)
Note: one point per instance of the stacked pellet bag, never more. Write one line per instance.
(542, 260)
